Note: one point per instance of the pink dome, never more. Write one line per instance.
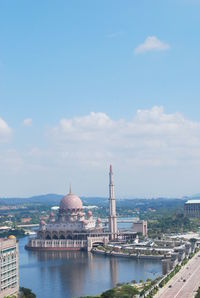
(98, 219)
(89, 213)
(70, 202)
(42, 223)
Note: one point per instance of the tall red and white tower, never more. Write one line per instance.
(112, 208)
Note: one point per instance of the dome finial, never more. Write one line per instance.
(70, 189)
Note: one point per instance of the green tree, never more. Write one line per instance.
(27, 293)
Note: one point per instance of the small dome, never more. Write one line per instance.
(70, 202)
(42, 223)
(98, 219)
(89, 213)
(11, 237)
(51, 214)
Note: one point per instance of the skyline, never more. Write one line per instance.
(89, 85)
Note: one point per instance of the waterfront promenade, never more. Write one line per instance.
(185, 283)
(126, 255)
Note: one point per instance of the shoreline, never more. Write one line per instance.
(53, 248)
(125, 255)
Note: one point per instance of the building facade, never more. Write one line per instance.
(192, 208)
(9, 274)
(140, 227)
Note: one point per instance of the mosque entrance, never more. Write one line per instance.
(96, 244)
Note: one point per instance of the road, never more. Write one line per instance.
(185, 283)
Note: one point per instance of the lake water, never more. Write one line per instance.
(75, 274)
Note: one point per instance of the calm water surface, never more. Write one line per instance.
(74, 274)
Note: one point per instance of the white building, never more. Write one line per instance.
(192, 208)
(9, 276)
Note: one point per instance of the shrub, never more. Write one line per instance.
(27, 293)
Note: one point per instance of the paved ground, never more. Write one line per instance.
(185, 283)
(187, 236)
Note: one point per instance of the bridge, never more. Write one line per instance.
(28, 226)
(92, 241)
(104, 220)
(122, 220)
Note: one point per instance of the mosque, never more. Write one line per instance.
(74, 229)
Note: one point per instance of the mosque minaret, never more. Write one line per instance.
(112, 208)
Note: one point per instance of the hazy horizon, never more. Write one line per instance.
(82, 196)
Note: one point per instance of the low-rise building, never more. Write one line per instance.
(140, 227)
(26, 219)
(9, 276)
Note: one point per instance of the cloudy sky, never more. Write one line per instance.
(87, 83)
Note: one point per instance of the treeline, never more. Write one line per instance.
(175, 223)
(18, 233)
(119, 292)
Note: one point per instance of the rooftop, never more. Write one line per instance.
(193, 201)
(7, 243)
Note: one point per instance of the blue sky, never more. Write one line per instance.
(67, 59)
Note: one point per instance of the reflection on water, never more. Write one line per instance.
(69, 269)
(74, 274)
(113, 271)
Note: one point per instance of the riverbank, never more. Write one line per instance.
(128, 290)
(122, 291)
(126, 255)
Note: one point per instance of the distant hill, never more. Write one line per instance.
(54, 200)
(51, 199)
(48, 198)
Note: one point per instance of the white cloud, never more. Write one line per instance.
(5, 131)
(155, 153)
(151, 138)
(28, 122)
(151, 43)
(83, 128)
